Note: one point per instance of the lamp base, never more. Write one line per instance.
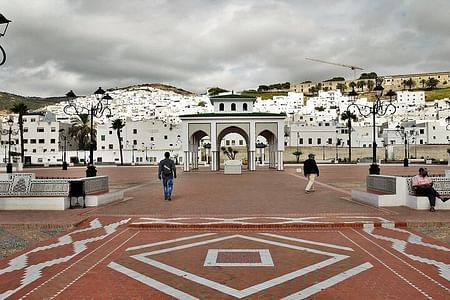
(64, 165)
(374, 169)
(9, 168)
(91, 171)
(405, 162)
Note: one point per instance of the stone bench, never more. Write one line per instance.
(385, 191)
(24, 191)
(440, 183)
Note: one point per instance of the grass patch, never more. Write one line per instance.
(437, 94)
(263, 95)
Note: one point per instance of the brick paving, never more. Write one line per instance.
(321, 245)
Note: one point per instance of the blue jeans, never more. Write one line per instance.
(168, 186)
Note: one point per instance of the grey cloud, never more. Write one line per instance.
(56, 45)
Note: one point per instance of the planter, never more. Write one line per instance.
(232, 167)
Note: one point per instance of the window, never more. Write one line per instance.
(41, 141)
(319, 141)
(221, 107)
(52, 150)
(102, 137)
(40, 129)
(52, 129)
(25, 129)
(33, 120)
(330, 141)
(134, 131)
(33, 141)
(422, 131)
(233, 106)
(52, 141)
(34, 150)
(135, 142)
(44, 150)
(25, 141)
(244, 107)
(110, 132)
(152, 139)
(103, 147)
(233, 142)
(110, 146)
(301, 141)
(241, 142)
(165, 137)
(227, 142)
(310, 141)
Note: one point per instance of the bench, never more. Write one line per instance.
(440, 183)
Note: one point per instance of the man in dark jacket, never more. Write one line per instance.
(311, 171)
(167, 172)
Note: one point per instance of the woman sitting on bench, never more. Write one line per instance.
(423, 186)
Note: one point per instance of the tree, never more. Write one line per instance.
(230, 152)
(423, 82)
(21, 109)
(80, 131)
(297, 155)
(352, 85)
(370, 84)
(117, 125)
(349, 117)
(404, 84)
(432, 83)
(410, 83)
(341, 86)
(216, 91)
(202, 104)
(361, 84)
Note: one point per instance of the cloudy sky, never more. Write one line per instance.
(57, 45)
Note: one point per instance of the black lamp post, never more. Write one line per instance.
(97, 109)
(9, 132)
(4, 22)
(378, 108)
(64, 148)
(405, 134)
(261, 146)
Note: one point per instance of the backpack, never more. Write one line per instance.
(166, 169)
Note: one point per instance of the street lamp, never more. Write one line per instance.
(405, 134)
(4, 22)
(9, 132)
(97, 109)
(261, 146)
(64, 146)
(378, 108)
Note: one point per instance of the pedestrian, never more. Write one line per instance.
(167, 172)
(423, 186)
(311, 171)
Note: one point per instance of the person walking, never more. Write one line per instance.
(423, 186)
(167, 172)
(311, 171)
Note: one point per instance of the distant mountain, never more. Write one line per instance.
(7, 100)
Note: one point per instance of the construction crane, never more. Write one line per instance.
(354, 68)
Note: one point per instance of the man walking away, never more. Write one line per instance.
(167, 172)
(311, 171)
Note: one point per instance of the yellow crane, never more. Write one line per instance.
(354, 68)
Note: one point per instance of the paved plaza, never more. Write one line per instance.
(250, 236)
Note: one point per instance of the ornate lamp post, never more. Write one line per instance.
(261, 146)
(4, 22)
(378, 108)
(9, 132)
(96, 109)
(405, 134)
(64, 146)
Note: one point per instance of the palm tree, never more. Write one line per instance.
(361, 84)
(80, 131)
(349, 117)
(341, 86)
(297, 155)
(410, 83)
(370, 84)
(117, 125)
(21, 109)
(423, 82)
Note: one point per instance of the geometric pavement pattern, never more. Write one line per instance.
(375, 262)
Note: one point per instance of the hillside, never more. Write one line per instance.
(7, 100)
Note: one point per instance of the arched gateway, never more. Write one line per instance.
(233, 114)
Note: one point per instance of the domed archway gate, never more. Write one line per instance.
(233, 114)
